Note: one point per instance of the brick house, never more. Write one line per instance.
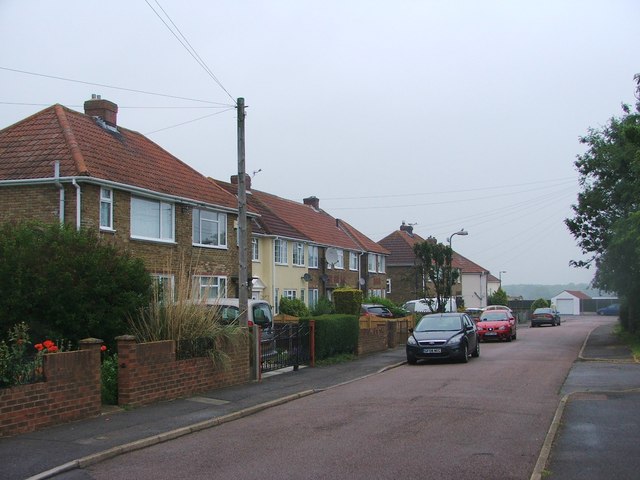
(473, 283)
(300, 251)
(84, 169)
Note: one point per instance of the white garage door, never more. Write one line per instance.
(565, 306)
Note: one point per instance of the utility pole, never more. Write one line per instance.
(243, 290)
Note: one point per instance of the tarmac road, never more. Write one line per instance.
(487, 419)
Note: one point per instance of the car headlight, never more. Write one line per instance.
(411, 340)
(455, 340)
(504, 327)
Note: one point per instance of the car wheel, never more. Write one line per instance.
(464, 358)
(509, 338)
(411, 360)
(515, 336)
(476, 352)
(533, 325)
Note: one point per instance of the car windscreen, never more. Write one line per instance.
(262, 315)
(539, 311)
(494, 317)
(439, 324)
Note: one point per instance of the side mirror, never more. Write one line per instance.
(410, 330)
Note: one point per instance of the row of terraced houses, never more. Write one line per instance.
(60, 165)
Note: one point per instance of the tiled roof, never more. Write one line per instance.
(29, 149)
(400, 244)
(465, 265)
(578, 294)
(365, 242)
(315, 225)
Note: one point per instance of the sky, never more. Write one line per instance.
(446, 115)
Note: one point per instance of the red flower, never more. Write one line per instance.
(48, 344)
(103, 348)
(38, 346)
(52, 349)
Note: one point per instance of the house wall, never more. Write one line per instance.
(403, 284)
(474, 290)
(33, 202)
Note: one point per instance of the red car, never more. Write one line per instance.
(497, 325)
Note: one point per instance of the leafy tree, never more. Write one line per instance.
(605, 221)
(499, 297)
(434, 268)
(67, 284)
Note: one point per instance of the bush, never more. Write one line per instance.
(347, 300)
(335, 334)
(323, 307)
(65, 283)
(294, 307)
(499, 297)
(540, 303)
(109, 375)
(18, 363)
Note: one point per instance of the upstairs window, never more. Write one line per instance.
(313, 256)
(152, 220)
(340, 262)
(298, 254)
(106, 209)
(354, 261)
(255, 250)
(280, 253)
(209, 228)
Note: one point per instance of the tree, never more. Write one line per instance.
(67, 284)
(499, 297)
(605, 222)
(434, 268)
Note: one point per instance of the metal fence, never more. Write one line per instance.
(288, 346)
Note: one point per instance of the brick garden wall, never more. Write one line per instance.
(71, 392)
(149, 372)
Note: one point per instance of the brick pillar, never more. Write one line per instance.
(392, 329)
(94, 371)
(127, 364)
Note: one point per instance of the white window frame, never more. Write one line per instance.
(164, 218)
(210, 286)
(312, 252)
(298, 254)
(388, 285)
(216, 221)
(165, 284)
(339, 265)
(381, 264)
(290, 294)
(313, 297)
(106, 208)
(354, 261)
(371, 262)
(255, 249)
(280, 254)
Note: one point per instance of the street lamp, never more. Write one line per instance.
(462, 231)
(500, 277)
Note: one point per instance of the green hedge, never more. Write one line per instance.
(335, 334)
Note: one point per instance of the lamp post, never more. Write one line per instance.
(500, 277)
(462, 231)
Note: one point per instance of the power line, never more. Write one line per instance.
(189, 121)
(119, 106)
(187, 46)
(111, 86)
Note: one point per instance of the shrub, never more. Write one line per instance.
(109, 375)
(499, 297)
(294, 307)
(66, 283)
(347, 300)
(323, 307)
(540, 303)
(335, 334)
(18, 363)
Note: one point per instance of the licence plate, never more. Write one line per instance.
(490, 334)
(431, 350)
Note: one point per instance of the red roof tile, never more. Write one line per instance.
(29, 149)
(400, 244)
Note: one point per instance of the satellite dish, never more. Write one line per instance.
(306, 277)
(361, 281)
(331, 255)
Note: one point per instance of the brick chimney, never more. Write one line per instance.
(406, 228)
(106, 110)
(312, 202)
(247, 181)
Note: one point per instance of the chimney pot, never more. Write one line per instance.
(312, 202)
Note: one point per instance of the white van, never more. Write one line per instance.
(428, 305)
(258, 311)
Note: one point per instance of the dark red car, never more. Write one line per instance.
(497, 325)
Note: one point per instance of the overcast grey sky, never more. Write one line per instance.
(444, 114)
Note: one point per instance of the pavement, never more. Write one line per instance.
(581, 429)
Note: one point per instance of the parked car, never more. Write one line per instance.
(377, 310)
(542, 316)
(474, 313)
(428, 305)
(496, 307)
(497, 325)
(613, 309)
(443, 336)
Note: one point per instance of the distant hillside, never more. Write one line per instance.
(532, 292)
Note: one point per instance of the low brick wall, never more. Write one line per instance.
(149, 372)
(373, 339)
(71, 391)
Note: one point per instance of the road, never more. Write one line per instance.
(483, 420)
